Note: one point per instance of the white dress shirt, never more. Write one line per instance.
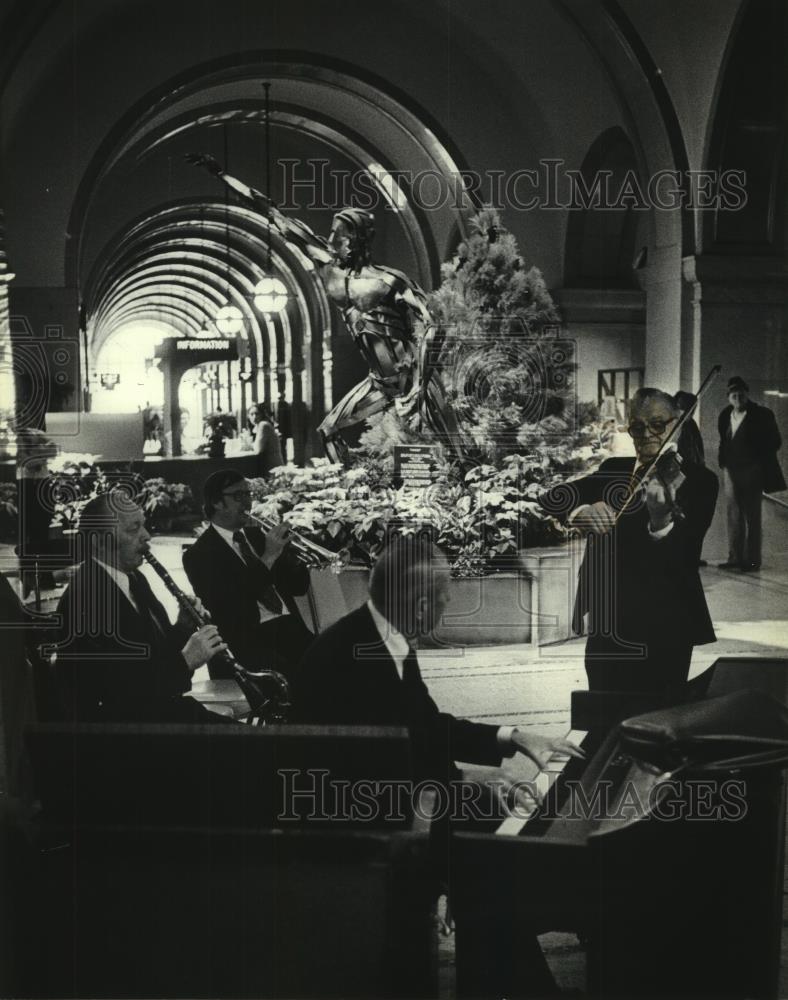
(398, 647)
(266, 615)
(736, 420)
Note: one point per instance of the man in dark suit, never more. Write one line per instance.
(749, 442)
(364, 671)
(247, 579)
(639, 580)
(118, 657)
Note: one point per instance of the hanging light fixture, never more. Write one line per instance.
(229, 319)
(270, 293)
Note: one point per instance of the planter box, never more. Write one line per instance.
(487, 611)
(553, 574)
(533, 606)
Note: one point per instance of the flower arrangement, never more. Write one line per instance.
(481, 519)
(166, 503)
(221, 426)
(74, 479)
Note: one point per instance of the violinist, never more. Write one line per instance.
(639, 583)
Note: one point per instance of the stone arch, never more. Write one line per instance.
(601, 241)
(747, 132)
(651, 122)
(405, 133)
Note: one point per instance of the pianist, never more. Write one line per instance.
(364, 670)
(639, 581)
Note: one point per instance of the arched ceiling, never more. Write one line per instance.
(120, 88)
(329, 116)
(103, 97)
(179, 265)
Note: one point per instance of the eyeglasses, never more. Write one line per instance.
(239, 494)
(637, 428)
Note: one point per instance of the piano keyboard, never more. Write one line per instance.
(512, 826)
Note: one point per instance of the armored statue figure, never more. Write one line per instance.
(385, 313)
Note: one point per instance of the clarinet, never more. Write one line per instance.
(256, 686)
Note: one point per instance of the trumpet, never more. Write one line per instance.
(311, 554)
(266, 691)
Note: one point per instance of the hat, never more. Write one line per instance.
(737, 382)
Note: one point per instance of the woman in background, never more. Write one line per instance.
(265, 438)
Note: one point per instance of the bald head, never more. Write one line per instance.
(113, 528)
(409, 585)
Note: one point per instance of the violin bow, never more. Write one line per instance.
(674, 433)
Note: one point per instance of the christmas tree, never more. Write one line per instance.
(502, 359)
(509, 375)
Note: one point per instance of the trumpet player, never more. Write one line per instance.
(248, 579)
(118, 658)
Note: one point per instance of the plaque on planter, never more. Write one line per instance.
(414, 465)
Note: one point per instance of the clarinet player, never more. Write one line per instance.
(118, 658)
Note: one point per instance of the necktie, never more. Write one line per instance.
(141, 594)
(268, 595)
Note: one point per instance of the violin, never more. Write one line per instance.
(667, 470)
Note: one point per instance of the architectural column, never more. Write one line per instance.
(738, 310)
(663, 285)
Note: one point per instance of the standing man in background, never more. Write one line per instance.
(749, 442)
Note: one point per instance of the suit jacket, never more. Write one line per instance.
(110, 666)
(757, 440)
(230, 589)
(652, 585)
(348, 677)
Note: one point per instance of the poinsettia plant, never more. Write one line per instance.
(163, 502)
(480, 519)
(74, 480)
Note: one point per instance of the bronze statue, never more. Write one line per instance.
(384, 311)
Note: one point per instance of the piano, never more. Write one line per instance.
(675, 888)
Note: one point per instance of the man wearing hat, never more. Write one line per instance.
(749, 442)
(247, 579)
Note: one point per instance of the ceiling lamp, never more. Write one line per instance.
(270, 294)
(229, 320)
